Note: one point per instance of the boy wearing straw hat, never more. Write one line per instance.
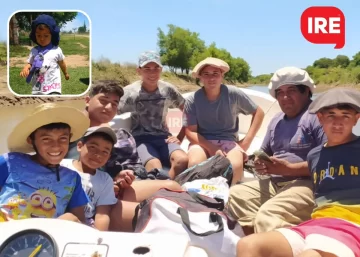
(211, 118)
(335, 225)
(35, 185)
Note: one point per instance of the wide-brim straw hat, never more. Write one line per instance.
(215, 62)
(42, 115)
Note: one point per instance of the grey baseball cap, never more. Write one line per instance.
(107, 130)
(336, 96)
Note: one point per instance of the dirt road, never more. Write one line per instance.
(8, 99)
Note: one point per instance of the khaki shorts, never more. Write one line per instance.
(265, 206)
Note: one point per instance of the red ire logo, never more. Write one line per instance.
(324, 25)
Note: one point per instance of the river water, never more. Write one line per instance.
(10, 116)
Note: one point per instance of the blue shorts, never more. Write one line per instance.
(152, 147)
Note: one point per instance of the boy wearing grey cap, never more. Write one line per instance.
(148, 100)
(334, 167)
(95, 149)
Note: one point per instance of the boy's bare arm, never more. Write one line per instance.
(79, 212)
(25, 71)
(102, 217)
(63, 68)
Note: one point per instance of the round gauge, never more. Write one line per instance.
(29, 243)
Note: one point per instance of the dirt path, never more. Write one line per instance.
(71, 61)
(8, 99)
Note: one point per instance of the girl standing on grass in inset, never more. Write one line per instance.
(46, 59)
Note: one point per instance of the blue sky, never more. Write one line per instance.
(77, 22)
(265, 33)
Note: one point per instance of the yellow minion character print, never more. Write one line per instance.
(13, 207)
(41, 204)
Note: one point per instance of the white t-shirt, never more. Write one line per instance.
(48, 79)
(99, 188)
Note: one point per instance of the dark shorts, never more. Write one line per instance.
(152, 147)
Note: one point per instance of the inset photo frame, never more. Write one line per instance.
(49, 53)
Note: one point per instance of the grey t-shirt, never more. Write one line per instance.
(292, 139)
(149, 110)
(218, 120)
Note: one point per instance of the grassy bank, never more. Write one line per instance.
(323, 77)
(3, 54)
(69, 44)
(126, 74)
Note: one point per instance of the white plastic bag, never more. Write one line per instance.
(215, 187)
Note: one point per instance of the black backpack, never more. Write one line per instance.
(215, 166)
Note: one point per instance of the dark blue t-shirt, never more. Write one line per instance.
(292, 139)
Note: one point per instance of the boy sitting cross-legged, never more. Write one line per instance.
(36, 186)
(335, 225)
(94, 151)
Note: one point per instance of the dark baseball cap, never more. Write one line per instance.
(101, 129)
(334, 97)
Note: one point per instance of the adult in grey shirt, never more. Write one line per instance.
(211, 118)
(286, 198)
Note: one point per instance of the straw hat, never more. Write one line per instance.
(215, 62)
(42, 115)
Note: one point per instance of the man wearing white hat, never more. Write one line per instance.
(285, 198)
(211, 118)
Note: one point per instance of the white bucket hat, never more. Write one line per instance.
(290, 76)
(215, 62)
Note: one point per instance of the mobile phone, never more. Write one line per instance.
(262, 155)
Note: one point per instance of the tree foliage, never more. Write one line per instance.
(25, 19)
(181, 49)
(340, 70)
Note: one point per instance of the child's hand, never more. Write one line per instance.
(67, 76)
(124, 178)
(24, 73)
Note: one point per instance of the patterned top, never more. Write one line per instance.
(30, 190)
(149, 110)
(124, 155)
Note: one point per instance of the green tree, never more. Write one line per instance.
(178, 46)
(342, 60)
(324, 63)
(239, 68)
(356, 59)
(82, 29)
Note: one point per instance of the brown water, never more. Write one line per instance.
(10, 116)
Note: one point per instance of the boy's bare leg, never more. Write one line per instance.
(143, 189)
(121, 216)
(269, 244)
(314, 253)
(69, 216)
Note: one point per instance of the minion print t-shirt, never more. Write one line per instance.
(335, 172)
(29, 190)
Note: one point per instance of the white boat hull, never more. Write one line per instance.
(78, 240)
